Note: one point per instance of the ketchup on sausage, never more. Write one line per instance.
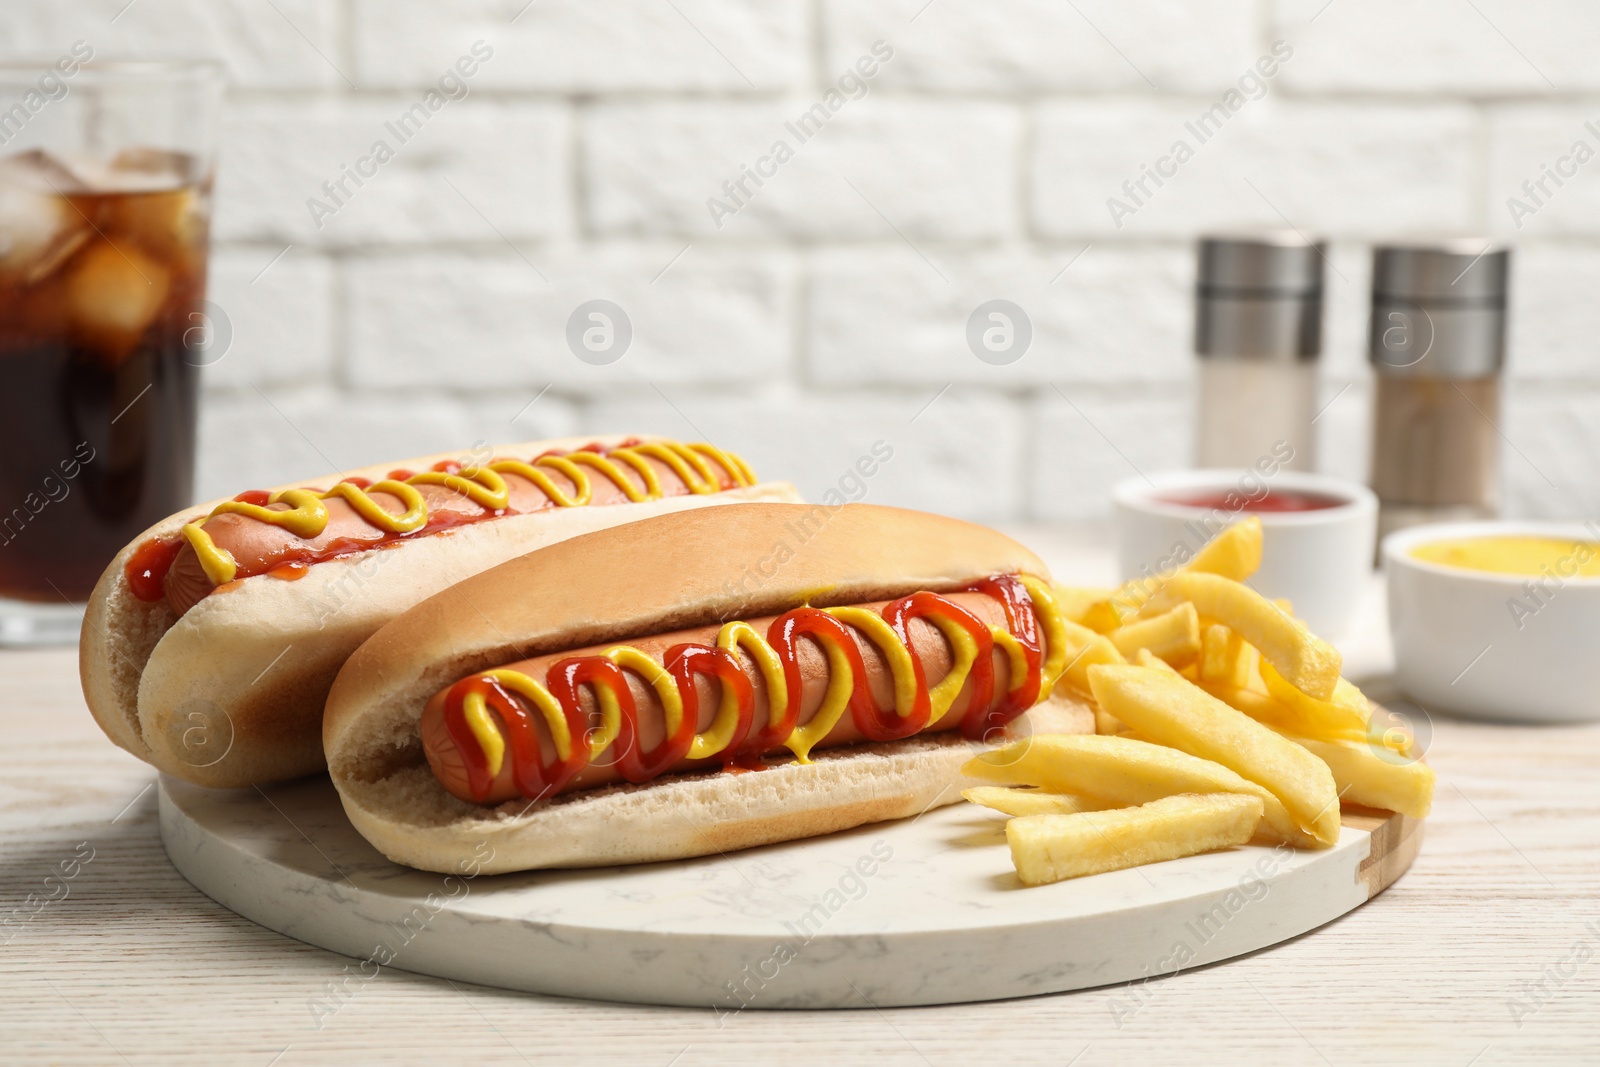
(807, 679)
(260, 533)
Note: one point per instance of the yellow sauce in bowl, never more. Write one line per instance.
(1531, 556)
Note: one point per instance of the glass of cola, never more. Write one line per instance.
(105, 206)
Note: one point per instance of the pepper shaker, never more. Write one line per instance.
(1436, 342)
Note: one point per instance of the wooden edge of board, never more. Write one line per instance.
(1396, 838)
(1395, 841)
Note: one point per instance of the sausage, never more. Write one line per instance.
(924, 641)
(258, 546)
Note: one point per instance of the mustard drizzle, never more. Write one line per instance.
(733, 637)
(841, 682)
(307, 516)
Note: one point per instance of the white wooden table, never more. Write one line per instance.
(1487, 952)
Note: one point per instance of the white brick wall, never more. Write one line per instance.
(572, 47)
(1112, 314)
(1483, 49)
(1346, 168)
(278, 318)
(263, 438)
(485, 320)
(963, 453)
(1049, 46)
(1089, 441)
(1525, 143)
(935, 170)
(263, 48)
(1556, 435)
(440, 186)
(829, 311)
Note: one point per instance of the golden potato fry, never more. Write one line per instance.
(1310, 719)
(1344, 717)
(1173, 711)
(1234, 553)
(1075, 600)
(1214, 653)
(1051, 848)
(1173, 636)
(1085, 649)
(1258, 705)
(1135, 591)
(1375, 777)
(1103, 617)
(1388, 732)
(1246, 667)
(1024, 801)
(1228, 659)
(1306, 661)
(1105, 724)
(1145, 658)
(1122, 770)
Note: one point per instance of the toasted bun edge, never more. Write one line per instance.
(699, 815)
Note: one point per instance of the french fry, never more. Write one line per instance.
(1173, 636)
(1294, 720)
(1105, 723)
(1374, 776)
(1085, 649)
(1129, 598)
(1247, 669)
(1306, 661)
(1173, 711)
(1234, 553)
(1014, 801)
(1145, 658)
(1214, 653)
(1051, 848)
(1228, 659)
(1260, 706)
(1388, 733)
(1074, 601)
(1124, 771)
(1344, 717)
(1103, 617)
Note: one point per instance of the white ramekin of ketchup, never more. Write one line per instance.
(1497, 620)
(1318, 532)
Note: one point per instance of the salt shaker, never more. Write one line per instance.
(1258, 336)
(1436, 342)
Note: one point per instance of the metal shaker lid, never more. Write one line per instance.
(1259, 297)
(1439, 309)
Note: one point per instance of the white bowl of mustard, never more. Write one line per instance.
(1497, 620)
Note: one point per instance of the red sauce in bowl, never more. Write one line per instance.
(1276, 501)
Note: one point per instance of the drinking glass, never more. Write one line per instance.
(105, 207)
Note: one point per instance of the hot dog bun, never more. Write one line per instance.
(666, 573)
(231, 693)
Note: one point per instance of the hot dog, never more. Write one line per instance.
(618, 718)
(210, 642)
(257, 532)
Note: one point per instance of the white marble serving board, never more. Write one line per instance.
(922, 911)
